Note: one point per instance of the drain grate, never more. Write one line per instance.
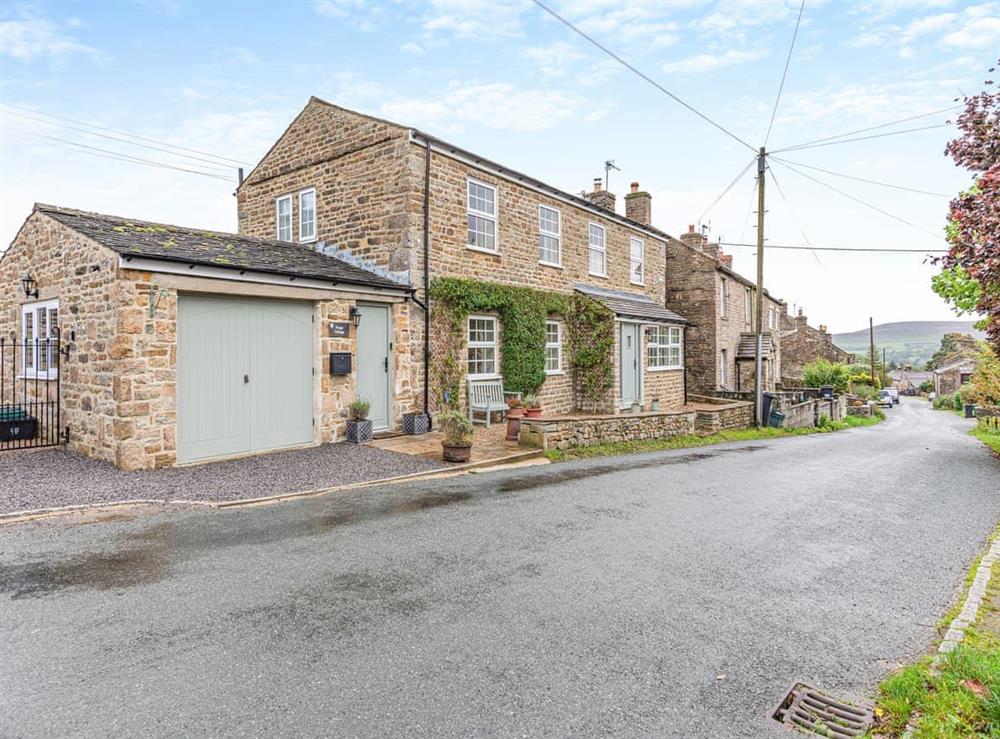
(814, 712)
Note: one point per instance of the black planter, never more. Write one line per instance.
(970, 410)
(416, 423)
(359, 432)
(22, 429)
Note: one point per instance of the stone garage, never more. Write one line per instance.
(182, 345)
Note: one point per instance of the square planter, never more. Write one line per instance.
(359, 432)
(23, 429)
(416, 423)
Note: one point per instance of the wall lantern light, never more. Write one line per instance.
(28, 283)
(355, 316)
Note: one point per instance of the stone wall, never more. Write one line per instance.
(574, 431)
(722, 415)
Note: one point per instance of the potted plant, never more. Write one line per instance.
(636, 406)
(654, 404)
(359, 428)
(532, 406)
(456, 436)
(515, 410)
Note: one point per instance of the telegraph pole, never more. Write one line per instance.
(871, 347)
(759, 316)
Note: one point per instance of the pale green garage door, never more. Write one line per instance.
(244, 376)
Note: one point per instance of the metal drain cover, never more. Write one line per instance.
(812, 711)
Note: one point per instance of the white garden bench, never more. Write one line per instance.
(486, 396)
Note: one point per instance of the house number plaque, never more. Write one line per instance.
(340, 329)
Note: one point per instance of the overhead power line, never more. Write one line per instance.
(788, 61)
(728, 188)
(792, 214)
(861, 179)
(109, 154)
(212, 162)
(643, 76)
(123, 133)
(861, 138)
(874, 128)
(852, 249)
(857, 200)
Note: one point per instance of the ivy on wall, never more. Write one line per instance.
(523, 312)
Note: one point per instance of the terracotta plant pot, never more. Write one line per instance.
(456, 453)
(533, 412)
(513, 425)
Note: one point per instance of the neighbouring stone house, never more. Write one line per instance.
(183, 344)
(403, 200)
(802, 344)
(720, 303)
(953, 372)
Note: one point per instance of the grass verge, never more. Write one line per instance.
(961, 698)
(687, 441)
(988, 436)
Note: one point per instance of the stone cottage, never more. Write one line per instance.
(720, 303)
(802, 344)
(182, 345)
(953, 372)
(411, 203)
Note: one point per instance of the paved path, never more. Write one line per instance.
(671, 594)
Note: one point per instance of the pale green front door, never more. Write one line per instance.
(374, 356)
(244, 376)
(629, 366)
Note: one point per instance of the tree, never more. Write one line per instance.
(952, 343)
(974, 216)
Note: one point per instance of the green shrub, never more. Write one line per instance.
(359, 409)
(968, 394)
(926, 386)
(456, 428)
(865, 392)
(822, 372)
(956, 401)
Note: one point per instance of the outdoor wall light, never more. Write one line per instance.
(28, 283)
(355, 316)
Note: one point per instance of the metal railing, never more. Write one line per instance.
(30, 401)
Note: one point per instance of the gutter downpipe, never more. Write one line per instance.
(427, 283)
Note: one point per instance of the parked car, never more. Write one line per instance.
(885, 398)
(895, 394)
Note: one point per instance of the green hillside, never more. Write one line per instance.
(905, 342)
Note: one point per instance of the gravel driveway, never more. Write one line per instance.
(53, 477)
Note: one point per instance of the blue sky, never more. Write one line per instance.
(509, 82)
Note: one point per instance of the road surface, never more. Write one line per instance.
(669, 594)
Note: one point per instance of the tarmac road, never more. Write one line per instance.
(668, 594)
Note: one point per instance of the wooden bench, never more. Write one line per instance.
(486, 396)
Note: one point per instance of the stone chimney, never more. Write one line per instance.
(639, 206)
(601, 197)
(726, 259)
(822, 328)
(700, 242)
(800, 320)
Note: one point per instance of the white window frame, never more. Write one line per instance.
(312, 236)
(544, 233)
(641, 261)
(748, 305)
(658, 360)
(494, 345)
(277, 217)
(28, 343)
(772, 318)
(723, 296)
(593, 249)
(557, 345)
(491, 217)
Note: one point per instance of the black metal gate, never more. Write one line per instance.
(30, 413)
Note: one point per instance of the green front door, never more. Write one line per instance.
(629, 366)
(244, 376)
(373, 362)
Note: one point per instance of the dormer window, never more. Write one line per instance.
(307, 215)
(283, 207)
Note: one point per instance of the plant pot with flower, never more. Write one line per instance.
(457, 433)
(515, 411)
(532, 406)
(359, 427)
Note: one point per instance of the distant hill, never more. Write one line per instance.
(905, 342)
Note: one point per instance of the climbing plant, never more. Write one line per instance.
(522, 312)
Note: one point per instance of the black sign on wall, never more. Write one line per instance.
(340, 329)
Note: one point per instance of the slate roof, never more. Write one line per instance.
(134, 238)
(631, 305)
(747, 348)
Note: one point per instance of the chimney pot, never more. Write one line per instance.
(600, 197)
(635, 187)
(691, 228)
(597, 184)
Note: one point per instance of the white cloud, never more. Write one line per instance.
(554, 60)
(412, 48)
(977, 33)
(928, 24)
(30, 38)
(360, 14)
(480, 21)
(495, 105)
(732, 18)
(645, 25)
(705, 62)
